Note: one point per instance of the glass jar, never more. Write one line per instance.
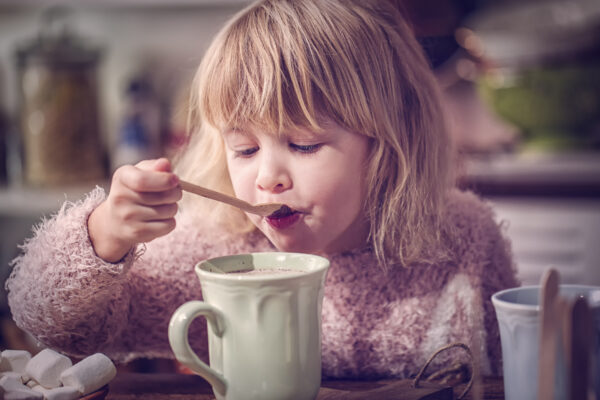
(59, 122)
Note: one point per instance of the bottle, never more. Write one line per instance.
(140, 130)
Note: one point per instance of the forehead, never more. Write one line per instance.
(329, 131)
(250, 128)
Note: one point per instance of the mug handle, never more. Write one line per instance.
(178, 338)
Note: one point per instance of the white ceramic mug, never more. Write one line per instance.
(518, 313)
(264, 331)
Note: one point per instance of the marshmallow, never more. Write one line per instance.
(14, 360)
(26, 394)
(59, 393)
(9, 383)
(89, 374)
(12, 388)
(11, 374)
(46, 366)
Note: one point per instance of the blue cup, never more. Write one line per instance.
(518, 314)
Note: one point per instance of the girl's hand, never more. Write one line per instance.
(140, 206)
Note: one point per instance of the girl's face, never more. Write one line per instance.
(320, 176)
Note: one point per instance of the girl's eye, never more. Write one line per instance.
(246, 152)
(311, 148)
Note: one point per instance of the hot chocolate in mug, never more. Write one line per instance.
(264, 316)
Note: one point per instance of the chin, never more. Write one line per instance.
(295, 247)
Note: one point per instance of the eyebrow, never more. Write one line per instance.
(234, 131)
(290, 134)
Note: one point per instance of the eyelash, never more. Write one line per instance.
(246, 152)
(304, 149)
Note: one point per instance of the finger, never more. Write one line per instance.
(143, 180)
(158, 213)
(132, 214)
(158, 198)
(149, 230)
(161, 164)
(145, 164)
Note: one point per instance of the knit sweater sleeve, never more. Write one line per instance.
(71, 300)
(498, 274)
(58, 284)
(486, 258)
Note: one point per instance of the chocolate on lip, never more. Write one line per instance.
(283, 211)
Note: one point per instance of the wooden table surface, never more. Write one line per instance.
(170, 386)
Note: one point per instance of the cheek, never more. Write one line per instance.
(241, 179)
(342, 189)
(341, 195)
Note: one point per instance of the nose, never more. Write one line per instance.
(273, 175)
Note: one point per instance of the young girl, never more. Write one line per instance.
(329, 107)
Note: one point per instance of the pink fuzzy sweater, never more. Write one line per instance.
(375, 323)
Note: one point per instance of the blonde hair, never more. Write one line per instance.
(284, 63)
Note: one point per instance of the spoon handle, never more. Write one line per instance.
(549, 323)
(211, 194)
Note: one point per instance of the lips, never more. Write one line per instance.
(283, 218)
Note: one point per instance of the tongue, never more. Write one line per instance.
(283, 211)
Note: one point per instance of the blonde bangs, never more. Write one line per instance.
(254, 82)
(271, 69)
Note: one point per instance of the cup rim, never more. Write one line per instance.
(322, 264)
(497, 297)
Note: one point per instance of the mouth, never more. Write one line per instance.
(281, 212)
(283, 217)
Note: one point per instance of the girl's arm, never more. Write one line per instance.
(61, 292)
(71, 300)
(70, 288)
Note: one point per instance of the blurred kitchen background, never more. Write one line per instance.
(88, 85)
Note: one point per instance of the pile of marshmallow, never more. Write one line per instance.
(51, 376)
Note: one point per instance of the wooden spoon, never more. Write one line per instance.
(549, 325)
(264, 210)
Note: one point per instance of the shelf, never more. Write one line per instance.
(24, 201)
(534, 174)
